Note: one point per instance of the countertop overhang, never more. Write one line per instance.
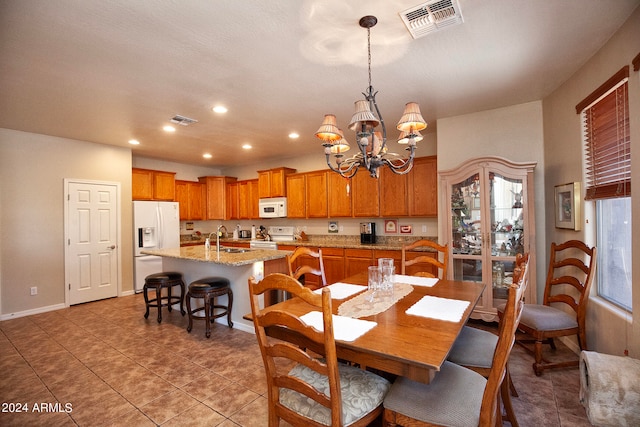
(198, 253)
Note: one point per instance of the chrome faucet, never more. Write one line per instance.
(220, 227)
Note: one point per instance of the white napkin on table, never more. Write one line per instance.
(344, 328)
(342, 290)
(447, 309)
(415, 280)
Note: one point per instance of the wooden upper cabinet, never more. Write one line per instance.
(339, 195)
(422, 182)
(248, 199)
(365, 194)
(254, 199)
(296, 195)
(243, 200)
(316, 194)
(232, 201)
(147, 184)
(394, 193)
(272, 182)
(190, 195)
(216, 199)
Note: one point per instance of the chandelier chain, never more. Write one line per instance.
(369, 53)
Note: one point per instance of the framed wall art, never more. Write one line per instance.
(567, 206)
(390, 226)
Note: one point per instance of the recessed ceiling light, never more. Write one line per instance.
(246, 146)
(294, 135)
(219, 109)
(134, 142)
(207, 156)
(168, 128)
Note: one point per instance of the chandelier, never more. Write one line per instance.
(372, 144)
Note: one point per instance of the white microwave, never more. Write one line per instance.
(274, 207)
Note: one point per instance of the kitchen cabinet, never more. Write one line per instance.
(147, 184)
(488, 218)
(248, 199)
(190, 195)
(296, 195)
(365, 194)
(394, 194)
(316, 194)
(333, 259)
(357, 260)
(216, 199)
(233, 205)
(272, 182)
(254, 199)
(338, 195)
(422, 182)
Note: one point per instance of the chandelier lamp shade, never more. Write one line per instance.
(372, 152)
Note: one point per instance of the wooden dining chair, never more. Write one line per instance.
(572, 266)
(300, 265)
(316, 391)
(474, 348)
(426, 261)
(458, 396)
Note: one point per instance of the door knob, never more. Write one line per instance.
(111, 247)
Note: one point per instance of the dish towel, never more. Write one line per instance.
(344, 328)
(450, 310)
(342, 290)
(415, 280)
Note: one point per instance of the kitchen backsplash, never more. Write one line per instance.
(385, 228)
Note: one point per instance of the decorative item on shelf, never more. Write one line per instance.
(517, 197)
(373, 152)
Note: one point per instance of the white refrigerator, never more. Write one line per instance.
(156, 225)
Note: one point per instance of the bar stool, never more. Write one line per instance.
(209, 288)
(157, 281)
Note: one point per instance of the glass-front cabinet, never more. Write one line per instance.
(488, 218)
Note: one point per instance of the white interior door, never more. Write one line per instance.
(92, 224)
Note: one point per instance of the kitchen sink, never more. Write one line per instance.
(235, 250)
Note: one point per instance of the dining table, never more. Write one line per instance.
(409, 345)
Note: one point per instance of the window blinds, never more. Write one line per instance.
(607, 140)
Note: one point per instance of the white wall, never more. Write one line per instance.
(608, 329)
(515, 133)
(32, 170)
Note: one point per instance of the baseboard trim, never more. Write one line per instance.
(31, 312)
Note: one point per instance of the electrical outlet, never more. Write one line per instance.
(34, 290)
(424, 228)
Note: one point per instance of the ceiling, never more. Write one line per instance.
(111, 71)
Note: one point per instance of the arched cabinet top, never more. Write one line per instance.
(489, 161)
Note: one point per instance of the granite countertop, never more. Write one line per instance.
(393, 243)
(198, 253)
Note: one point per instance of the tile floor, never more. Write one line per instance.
(104, 364)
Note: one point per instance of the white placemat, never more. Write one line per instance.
(343, 290)
(344, 328)
(415, 280)
(450, 310)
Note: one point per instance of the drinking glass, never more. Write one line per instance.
(374, 278)
(386, 279)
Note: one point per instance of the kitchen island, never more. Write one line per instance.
(235, 264)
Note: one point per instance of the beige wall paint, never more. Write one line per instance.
(183, 171)
(515, 133)
(563, 158)
(32, 170)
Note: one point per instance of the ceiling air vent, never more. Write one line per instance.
(183, 121)
(431, 16)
